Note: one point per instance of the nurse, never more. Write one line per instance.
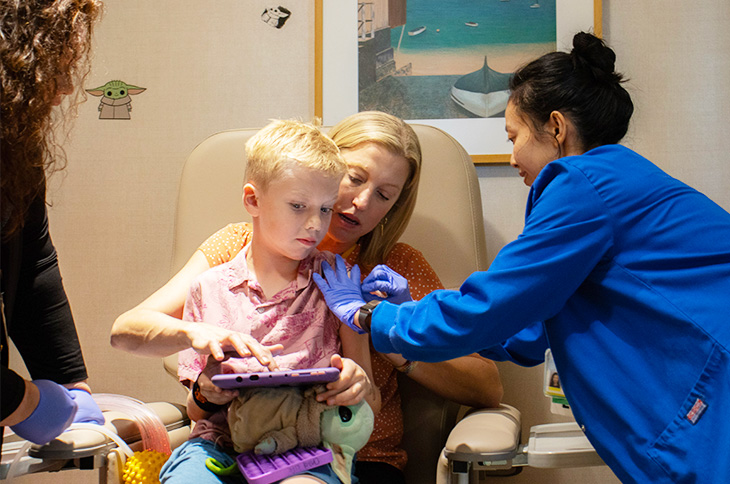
(623, 271)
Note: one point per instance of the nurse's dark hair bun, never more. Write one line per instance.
(583, 85)
(591, 56)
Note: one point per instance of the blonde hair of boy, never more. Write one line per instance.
(282, 142)
(395, 135)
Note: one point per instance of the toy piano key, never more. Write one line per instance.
(264, 469)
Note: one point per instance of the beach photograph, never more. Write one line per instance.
(446, 59)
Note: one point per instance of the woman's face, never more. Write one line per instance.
(374, 180)
(530, 153)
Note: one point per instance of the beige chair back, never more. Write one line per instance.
(447, 226)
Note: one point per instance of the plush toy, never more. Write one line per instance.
(275, 420)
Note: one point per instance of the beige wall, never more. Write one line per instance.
(218, 66)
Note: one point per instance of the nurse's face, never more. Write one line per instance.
(531, 152)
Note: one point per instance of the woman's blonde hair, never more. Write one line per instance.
(41, 41)
(398, 137)
(281, 142)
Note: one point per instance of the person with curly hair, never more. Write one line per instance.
(44, 53)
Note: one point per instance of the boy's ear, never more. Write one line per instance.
(251, 199)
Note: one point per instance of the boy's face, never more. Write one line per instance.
(294, 212)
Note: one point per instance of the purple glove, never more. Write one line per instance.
(341, 292)
(385, 280)
(89, 411)
(54, 413)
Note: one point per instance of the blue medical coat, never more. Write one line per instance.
(625, 273)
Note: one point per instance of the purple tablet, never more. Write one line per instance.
(283, 378)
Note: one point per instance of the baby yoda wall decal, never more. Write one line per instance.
(116, 102)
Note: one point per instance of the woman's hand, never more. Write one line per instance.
(383, 283)
(350, 388)
(208, 339)
(341, 291)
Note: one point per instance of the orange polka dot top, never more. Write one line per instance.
(384, 443)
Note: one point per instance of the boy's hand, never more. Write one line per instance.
(341, 291)
(350, 388)
(211, 392)
(208, 339)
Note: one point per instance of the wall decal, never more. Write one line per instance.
(276, 16)
(116, 102)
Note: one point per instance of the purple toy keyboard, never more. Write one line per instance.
(264, 469)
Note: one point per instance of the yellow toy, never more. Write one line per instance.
(144, 467)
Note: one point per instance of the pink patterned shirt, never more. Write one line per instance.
(296, 317)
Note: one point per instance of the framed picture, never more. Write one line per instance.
(439, 62)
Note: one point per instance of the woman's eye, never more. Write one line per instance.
(384, 196)
(354, 179)
(326, 210)
(297, 206)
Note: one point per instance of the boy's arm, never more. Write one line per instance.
(356, 375)
(155, 328)
(205, 398)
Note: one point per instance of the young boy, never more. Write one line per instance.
(266, 291)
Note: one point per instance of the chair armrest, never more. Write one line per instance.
(79, 443)
(485, 435)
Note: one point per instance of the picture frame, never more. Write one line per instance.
(336, 72)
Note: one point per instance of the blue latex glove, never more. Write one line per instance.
(89, 411)
(341, 291)
(385, 280)
(54, 413)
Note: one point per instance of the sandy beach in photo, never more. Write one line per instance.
(501, 58)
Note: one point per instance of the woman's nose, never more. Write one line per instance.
(362, 199)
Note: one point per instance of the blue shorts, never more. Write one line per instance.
(187, 465)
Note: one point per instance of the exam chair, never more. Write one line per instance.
(446, 226)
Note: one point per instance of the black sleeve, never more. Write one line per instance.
(12, 390)
(41, 324)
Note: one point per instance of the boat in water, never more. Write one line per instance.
(484, 92)
(471, 24)
(417, 31)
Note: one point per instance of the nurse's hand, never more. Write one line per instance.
(54, 413)
(341, 291)
(387, 285)
(89, 411)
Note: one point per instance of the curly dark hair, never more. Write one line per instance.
(44, 49)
